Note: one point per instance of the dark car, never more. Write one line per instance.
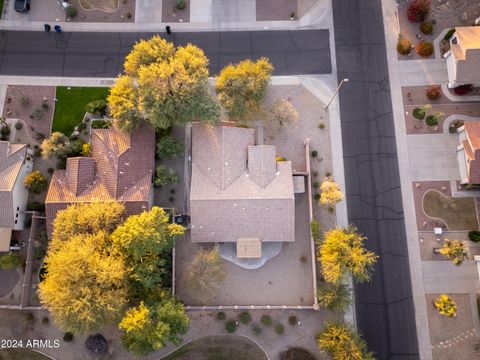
(22, 6)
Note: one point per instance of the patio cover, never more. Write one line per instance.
(248, 248)
(5, 236)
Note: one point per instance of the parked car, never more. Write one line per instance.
(22, 6)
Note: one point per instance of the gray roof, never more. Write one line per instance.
(238, 189)
(12, 157)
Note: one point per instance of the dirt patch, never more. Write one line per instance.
(26, 102)
(451, 336)
(270, 10)
(459, 213)
(424, 223)
(171, 14)
(112, 10)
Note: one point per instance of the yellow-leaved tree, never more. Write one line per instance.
(330, 192)
(342, 252)
(242, 87)
(164, 85)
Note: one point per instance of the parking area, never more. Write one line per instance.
(284, 280)
(40, 10)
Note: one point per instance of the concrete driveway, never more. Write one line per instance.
(40, 10)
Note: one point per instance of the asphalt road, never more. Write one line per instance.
(86, 54)
(384, 306)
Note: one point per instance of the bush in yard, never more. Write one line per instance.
(280, 159)
(330, 192)
(474, 235)
(424, 48)
(431, 120)
(279, 329)
(418, 10)
(86, 150)
(455, 250)
(463, 89)
(5, 131)
(221, 316)
(315, 230)
(166, 176)
(445, 305)
(35, 206)
(231, 326)
(292, 320)
(35, 182)
(67, 337)
(10, 261)
(180, 4)
(245, 318)
(449, 34)
(335, 297)
(266, 320)
(404, 46)
(426, 28)
(257, 330)
(168, 147)
(72, 11)
(433, 92)
(418, 113)
(283, 113)
(18, 125)
(97, 107)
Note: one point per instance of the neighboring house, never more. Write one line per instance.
(239, 192)
(14, 167)
(463, 58)
(120, 168)
(468, 152)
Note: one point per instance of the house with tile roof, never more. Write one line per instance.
(468, 152)
(14, 167)
(463, 58)
(239, 192)
(120, 168)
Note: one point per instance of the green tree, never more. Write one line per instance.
(88, 218)
(342, 252)
(166, 176)
(315, 230)
(35, 182)
(206, 271)
(168, 147)
(60, 146)
(455, 250)
(335, 297)
(146, 241)
(10, 261)
(147, 329)
(341, 343)
(85, 284)
(242, 87)
(164, 85)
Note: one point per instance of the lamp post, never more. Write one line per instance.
(335, 93)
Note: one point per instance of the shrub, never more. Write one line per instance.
(418, 10)
(86, 150)
(166, 176)
(257, 330)
(316, 184)
(335, 297)
(168, 147)
(100, 124)
(10, 261)
(72, 11)
(81, 126)
(245, 318)
(455, 250)
(292, 320)
(418, 113)
(67, 337)
(431, 120)
(426, 28)
(50, 170)
(474, 235)
(45, 320)
(5, 131)
(449, 34)
(36, 206)
(433, 92)
(317, 197)
(314, 173)
(314, 153)
(283, 113)
(279, 329)
(35, 182)
(97, 107)
(45, 106)
(315, 230)
(18, 125)
(445, 305)
(180, 4)
(221, 316)
(29, 317)
(463, 89)
(266, 320)
(280, 159)
(231, 326)
(404, 46)
(424, 48)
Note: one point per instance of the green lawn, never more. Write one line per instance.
(219, 347)
(21, 354)
(70, 107)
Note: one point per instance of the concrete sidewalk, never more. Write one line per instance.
(445, 277)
